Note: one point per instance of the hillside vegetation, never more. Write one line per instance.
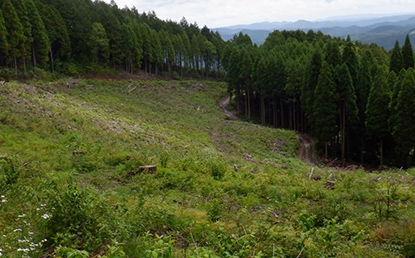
(70, 184)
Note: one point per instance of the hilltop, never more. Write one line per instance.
(70, 181)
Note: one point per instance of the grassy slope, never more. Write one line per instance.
(222, 187)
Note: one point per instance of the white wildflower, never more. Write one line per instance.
(43, 205)
(17, 229)
(22, 216)
(31, 233)
(4, 200)
(46, 216)
(2, 196)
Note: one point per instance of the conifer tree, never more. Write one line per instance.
(393, 104)
(129, 40)
(260, 83)
(179, 53)
(407, 54)
(186, 51)
(396, 59)
(145, 32)
(309, 85)
(40, 44)
(350, 59)
(245, 77)
(404, 127)
(332, 54)
(138, 43)
(168, 50)
(347, 103)
(377, 112)
(60, 45)
(156, 54)
(114, 32)
(363, 85)
(99, 43)
(278, 79)
(16, 37)
(4, 45)
(324, 108)
(20, 7)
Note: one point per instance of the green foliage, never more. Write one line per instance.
(40, 44)
(396, 59)
(403, 126)
(9, 173)
(217, 168)
(325, 106)
(408, 54)
(15, 34)
(99, 43)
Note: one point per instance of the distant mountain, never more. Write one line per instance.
(383, 31)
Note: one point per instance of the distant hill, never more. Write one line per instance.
(383, 31)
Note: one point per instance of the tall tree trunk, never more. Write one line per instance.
(262, 110)
(52, 64)
(343, 133)
(326, 151)
(291, 116)
(381, 152)
(169, 68)
(34, 59)
(282, 113)
(15, 64)
(24, 65)
(249, 102)
(275, 111)
(362, 150)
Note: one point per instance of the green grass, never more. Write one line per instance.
(222, 188)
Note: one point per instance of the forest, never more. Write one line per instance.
(356, 100)
(77, 37)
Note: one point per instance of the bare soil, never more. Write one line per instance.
(306, 152)
(224, 105)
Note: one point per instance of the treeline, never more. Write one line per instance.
(73, 35)
(357, 101)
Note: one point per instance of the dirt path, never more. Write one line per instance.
(306, 151)
(224, 104)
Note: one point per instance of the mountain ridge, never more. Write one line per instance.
(383, 31)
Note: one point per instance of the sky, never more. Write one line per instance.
(219, 13)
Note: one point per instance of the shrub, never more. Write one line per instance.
(217, 169)
(8, 172)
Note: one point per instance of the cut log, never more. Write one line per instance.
(148, 169)
(79, 153)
